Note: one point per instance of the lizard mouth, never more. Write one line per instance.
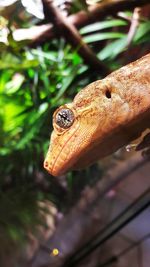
(54, 164)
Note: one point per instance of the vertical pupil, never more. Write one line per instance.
(63, 116)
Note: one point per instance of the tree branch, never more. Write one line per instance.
(72, 36)
(38, 34)
(134, 25)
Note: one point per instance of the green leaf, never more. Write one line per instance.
(111, 50)
(102, 25)
(47, 55)
(17, 65)
(80, 4)
(14, 232)
(66, 82)
(15, 84)
(102, 36)
(143, 29)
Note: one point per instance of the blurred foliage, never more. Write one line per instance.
(33, 82)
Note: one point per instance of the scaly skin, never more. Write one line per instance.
(108, 114)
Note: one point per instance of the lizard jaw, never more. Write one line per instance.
(57, 165)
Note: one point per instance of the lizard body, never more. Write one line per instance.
(104, 116)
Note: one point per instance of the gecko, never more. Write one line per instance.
(103, 117)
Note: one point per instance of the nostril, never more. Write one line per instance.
(45, 164)
(108, 93)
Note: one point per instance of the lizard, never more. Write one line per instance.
(103, 117)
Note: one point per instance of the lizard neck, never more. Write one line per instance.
(132, 84)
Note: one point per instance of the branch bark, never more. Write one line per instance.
(134, 25)
(39, 34)
(72, 36)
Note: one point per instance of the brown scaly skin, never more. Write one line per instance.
(108, 114)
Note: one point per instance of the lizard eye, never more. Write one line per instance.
(64, 118)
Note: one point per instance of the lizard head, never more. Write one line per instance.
(80, 128)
